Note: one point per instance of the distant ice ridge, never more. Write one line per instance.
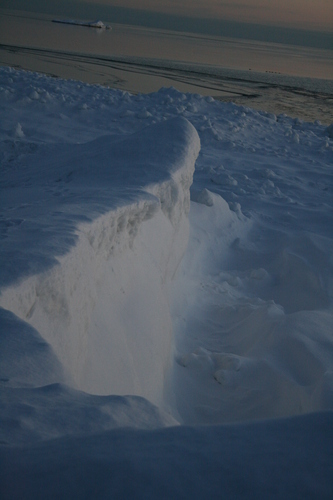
(296, 83)
(103, 304)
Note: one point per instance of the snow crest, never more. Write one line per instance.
(103, 305)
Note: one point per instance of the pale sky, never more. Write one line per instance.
(307, 14)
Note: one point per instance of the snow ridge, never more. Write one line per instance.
(120, 265)
(94, 193)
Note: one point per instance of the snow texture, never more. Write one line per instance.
(138, 294)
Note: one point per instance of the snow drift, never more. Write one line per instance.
(281, 459)
(100, 296)
(103, 304)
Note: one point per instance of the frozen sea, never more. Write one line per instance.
(166, 302)
(272, 77)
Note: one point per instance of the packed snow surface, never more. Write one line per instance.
(127, 309)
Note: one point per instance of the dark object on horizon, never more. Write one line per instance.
(91, 24)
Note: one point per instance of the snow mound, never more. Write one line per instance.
(26, 360)
(280, 459)
(122, 301)
(54, 411)
(99, 292)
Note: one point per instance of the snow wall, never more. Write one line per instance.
(96, 287)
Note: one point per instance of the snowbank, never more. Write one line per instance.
(103, 305)
(118, 294)
(276, 459)
(253, 319)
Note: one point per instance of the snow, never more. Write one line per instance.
(179, 462)
(166, 262)
(122, 185)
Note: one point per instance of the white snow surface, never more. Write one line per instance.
(130, 315)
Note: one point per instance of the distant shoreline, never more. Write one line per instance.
(146, 76)
(278, 79)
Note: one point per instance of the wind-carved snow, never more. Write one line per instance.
(255, 357)
(103, 307)
(116, 286)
